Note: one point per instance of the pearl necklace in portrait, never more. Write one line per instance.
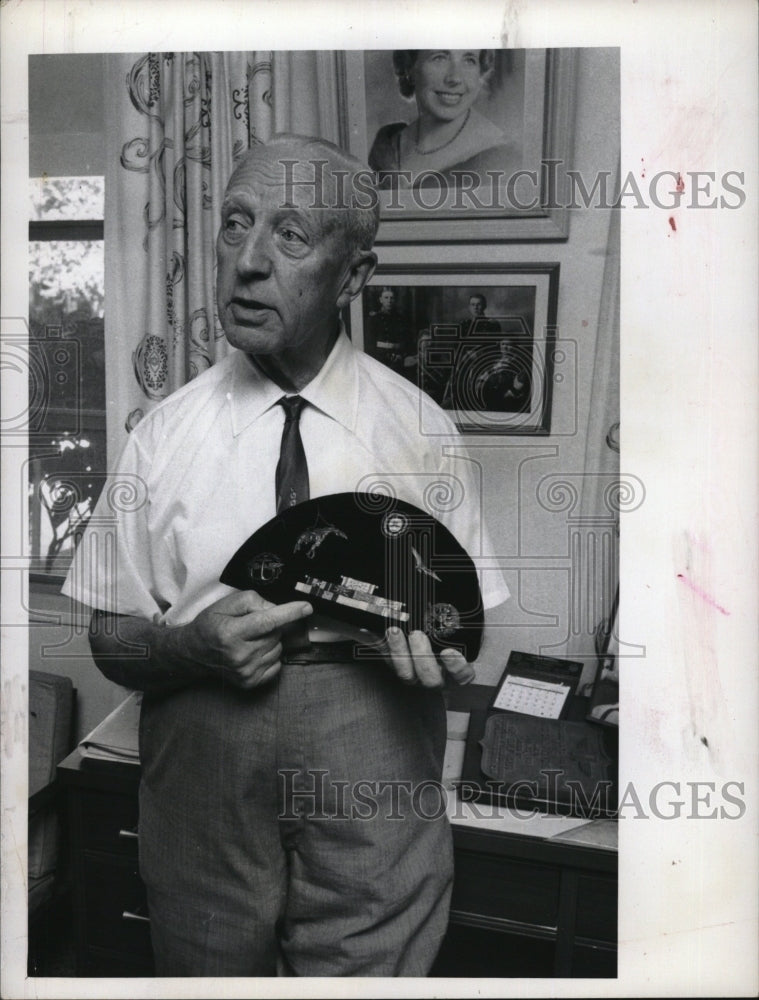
(436, 149)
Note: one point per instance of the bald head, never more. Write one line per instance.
(318, 175)
(293, 250)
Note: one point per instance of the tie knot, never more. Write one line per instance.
(292, 405)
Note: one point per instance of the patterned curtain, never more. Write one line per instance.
(176, 122)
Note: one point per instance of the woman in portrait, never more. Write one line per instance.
(448, 135)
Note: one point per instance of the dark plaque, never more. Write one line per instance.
(369, 561)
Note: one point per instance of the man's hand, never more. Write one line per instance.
(415, 663)
(239, 637)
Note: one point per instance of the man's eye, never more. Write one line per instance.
(232, 226)
(290, 236)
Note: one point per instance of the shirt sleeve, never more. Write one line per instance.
(466, 521)
(111, 569)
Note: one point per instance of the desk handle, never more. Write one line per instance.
(128, 834)
(128, 915)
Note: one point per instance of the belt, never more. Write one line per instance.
(329, 652)
(320, 652)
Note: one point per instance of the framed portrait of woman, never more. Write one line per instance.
(462, 136)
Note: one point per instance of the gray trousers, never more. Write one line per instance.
(296, 829)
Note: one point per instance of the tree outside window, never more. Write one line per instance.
(67, 450)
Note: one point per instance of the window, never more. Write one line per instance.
(67, 445)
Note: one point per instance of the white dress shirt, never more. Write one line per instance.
(196, 479)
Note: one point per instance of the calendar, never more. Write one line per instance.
(531, 696)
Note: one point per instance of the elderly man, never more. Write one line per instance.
(258, 853)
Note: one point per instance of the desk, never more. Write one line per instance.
(532, 897)
(527, 900)
(112, 929)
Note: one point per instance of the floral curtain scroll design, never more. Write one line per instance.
(150, 365)
(192, 115)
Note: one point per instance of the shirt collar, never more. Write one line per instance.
(334, 390)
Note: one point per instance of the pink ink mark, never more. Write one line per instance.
(584, 322)
(672, 225)
(680, 186)
(702, 594)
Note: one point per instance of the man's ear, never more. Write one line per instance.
(360, 271)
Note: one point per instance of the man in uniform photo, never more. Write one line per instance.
(387, 337)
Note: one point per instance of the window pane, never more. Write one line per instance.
(65, 277)
(67, 441)
(54, 198)
(63, 490)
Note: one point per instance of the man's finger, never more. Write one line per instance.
(241, 602)
(398, 655)
(252, 651)
(457, 667)
(251, 672)
(249, 681)
(273, 618)
(426, 667)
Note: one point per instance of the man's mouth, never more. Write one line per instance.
(247, 310)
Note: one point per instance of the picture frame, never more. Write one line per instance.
(527, 193)
(480, 339)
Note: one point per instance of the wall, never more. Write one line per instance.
(531, 541)
(58, 644)
(66, 116)
(523, 528)
(537, 537)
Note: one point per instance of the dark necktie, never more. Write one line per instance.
(292, 469)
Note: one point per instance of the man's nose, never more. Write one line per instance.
(255, 253)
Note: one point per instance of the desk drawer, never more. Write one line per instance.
(105, 964)
(115, 906)
(594, 962)
(109, 822)
(474, 952)
(597, 908)
(500, 887)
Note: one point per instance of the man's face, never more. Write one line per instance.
(387, 300)
(476, 306)
(281, 273)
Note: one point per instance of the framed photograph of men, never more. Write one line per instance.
(463, 135)
(480, 342)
